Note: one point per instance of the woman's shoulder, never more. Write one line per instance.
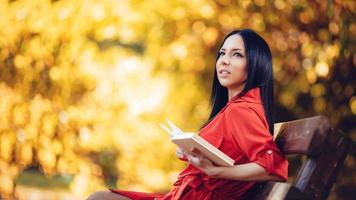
(250, 112)
(245, 108)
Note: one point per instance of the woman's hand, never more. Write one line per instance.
(197, 159)
(181, 154)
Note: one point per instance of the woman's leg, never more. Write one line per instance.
(107, 195)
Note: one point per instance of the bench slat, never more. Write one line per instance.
(327, 166)
(326, 150)
(304, 136)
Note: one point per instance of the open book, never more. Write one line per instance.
(188, 141)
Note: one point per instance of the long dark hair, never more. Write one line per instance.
(260, 74)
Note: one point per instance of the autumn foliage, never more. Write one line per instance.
(84, 84)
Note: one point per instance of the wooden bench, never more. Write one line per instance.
(324, 150)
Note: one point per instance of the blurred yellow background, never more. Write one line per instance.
(84, 84)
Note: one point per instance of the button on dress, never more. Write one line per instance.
(241, 131)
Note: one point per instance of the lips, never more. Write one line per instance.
(224, 71)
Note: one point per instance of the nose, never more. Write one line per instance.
(225, 60)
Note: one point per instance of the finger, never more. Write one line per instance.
(179, 151)
(194, 160)
(196, 151)
(190, 153)
(180, 155)
(184, 151)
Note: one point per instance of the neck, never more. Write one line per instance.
(234, 91)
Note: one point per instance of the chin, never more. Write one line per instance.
(224, 84)
(228, 85)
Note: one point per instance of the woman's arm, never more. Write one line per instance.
(242, 172)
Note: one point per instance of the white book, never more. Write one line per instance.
(188, 141)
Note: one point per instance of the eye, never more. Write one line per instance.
(220, 53)
(238, 54)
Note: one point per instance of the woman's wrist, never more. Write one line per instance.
(216, 172)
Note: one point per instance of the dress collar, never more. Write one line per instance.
(252, 96)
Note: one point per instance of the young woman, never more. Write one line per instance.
(240, 125)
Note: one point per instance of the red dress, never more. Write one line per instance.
(241, 131)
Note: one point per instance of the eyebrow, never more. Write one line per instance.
(235, 49)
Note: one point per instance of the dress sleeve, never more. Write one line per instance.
(250, 132)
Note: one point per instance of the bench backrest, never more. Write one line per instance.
(325, 148)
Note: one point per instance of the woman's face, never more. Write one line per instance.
(231, 65)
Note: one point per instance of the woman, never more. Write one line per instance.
(240, 125)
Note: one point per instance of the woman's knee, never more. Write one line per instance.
(106, 195)
(97, 195)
